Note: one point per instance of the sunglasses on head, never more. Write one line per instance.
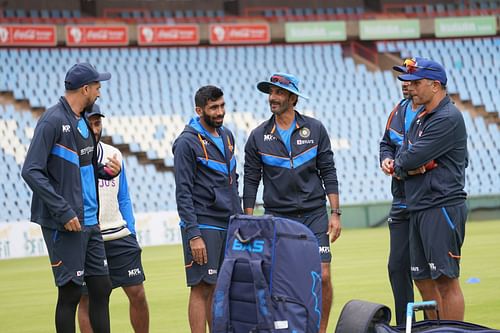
(282, 80)
(412, 67)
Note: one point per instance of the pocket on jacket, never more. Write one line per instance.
(438, 180)
(222, 199)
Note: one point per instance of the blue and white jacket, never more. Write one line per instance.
(52, 169)
(296, 182)
(206, 182)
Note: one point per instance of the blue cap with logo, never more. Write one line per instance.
(95, 111)
(82, 74)
(421, 68)
(282, 80)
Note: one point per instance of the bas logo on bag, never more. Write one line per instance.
(257, 246)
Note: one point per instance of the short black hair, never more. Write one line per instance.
(205, 94)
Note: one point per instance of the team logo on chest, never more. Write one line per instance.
(304, 132)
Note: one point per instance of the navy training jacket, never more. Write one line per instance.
(441, 136)
(52, 169)
(206, 182)
(389, 146)
(296, 182)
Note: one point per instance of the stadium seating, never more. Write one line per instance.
(150, 98)
(470, 72)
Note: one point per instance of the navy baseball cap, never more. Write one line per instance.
(422, 68)
(82, 74)
(95, 111)
(282, 80)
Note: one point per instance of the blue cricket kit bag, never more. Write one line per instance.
(270, 280)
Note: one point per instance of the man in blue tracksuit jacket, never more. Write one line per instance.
(292, 153)
(61, 169)
(398, 123)
(436, 146)
(207, 195)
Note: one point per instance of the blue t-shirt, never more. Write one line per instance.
(410, 115)
(286, 135)
(85, 146)
(218, 142)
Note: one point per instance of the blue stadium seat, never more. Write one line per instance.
(154, 87)
(20, 13)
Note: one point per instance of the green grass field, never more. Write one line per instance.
(359, 272)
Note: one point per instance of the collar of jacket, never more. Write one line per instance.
(194, 123)
(300, 121)
(67, 107)
(441, 105)
(74, 121)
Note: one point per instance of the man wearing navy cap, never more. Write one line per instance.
(292, 153)
(435, 145)
(116, 217)
(61, 169)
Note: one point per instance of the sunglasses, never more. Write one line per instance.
(412, 67)
(282, 80)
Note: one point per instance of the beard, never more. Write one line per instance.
(406, 93)
(278, 108)
(215, 122)
(91, 102)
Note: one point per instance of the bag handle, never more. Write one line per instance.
(243, 240)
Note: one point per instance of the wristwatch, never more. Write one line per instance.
(337, 211)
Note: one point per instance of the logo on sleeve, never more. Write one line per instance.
(66, 128)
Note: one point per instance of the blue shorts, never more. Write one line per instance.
(74, 255)
(317, 222)
(436, 238)
(215, 242)
(124, 262)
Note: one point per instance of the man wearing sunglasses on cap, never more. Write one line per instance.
(398, 123)
(292, 153)
(436, 145)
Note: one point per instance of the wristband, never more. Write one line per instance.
(337, 211)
